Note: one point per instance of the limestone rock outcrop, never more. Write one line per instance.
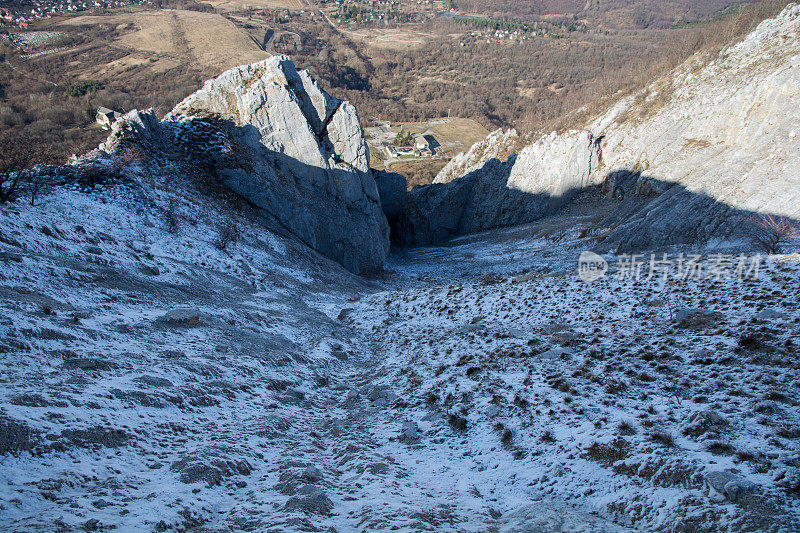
(273, 136)
(541, 178)
(716, 138)
(498, 144)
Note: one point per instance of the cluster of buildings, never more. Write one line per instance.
(22, 15)
(495, 36)
(423, 146)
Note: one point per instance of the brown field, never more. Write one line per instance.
(453, 135)
(241, 5)
(207, 41)
(389, 39)
(139, 59)
(419, 172)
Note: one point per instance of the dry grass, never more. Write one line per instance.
(419, 172)
(241, 5)
(390, 39)
(458, 131)
(207, 41)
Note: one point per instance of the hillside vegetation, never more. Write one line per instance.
(609, 13)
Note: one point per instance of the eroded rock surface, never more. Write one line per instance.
(714, 140)
(273, 136)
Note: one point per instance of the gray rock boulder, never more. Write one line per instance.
(549, 517)
(690, 318)
(312, 473)
(410, 433)
(720, 486)
(770, 314)
(273, 136)
(497, 145)
(212, 470)
(703, 422)
(318, 503)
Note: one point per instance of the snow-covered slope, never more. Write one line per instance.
(152, 381)
(607, 398)
(143, 366)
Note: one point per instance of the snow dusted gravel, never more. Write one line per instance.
(152, 382)
(669, 406)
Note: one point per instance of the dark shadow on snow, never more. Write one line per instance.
(634, 211)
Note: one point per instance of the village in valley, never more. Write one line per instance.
(23, 14)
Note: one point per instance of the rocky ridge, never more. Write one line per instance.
(269, 133)
(498, 144)
(713, 135)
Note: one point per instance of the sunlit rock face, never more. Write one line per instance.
(273, 136)
(719, 132)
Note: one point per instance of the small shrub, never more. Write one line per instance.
(548, 436)
(172, 220)
(38, 184)
(615, 386)
(610, 453)
(506, 435)
(720, 448)
(491, 279)
(663, 437)
(769, 232)
(457, 422)
(227, 234)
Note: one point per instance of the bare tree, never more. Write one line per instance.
(37, 183)
(9, 183)
(227, 234)
(15, 155)
(769, 232)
